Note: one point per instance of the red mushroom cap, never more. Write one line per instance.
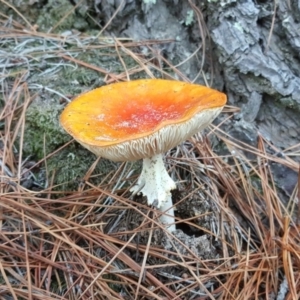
(137, 119)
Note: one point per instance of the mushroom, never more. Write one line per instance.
(142, 119)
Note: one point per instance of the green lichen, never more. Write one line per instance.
(189, 19)
(149, 1)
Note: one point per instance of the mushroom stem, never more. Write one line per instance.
(156, 184)
(168, 216)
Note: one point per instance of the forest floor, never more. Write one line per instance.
(70, 228)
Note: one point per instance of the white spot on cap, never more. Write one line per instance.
(104, 138)
(101, 117)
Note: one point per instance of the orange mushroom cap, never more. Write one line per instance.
(137, 119)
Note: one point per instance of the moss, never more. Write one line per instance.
(81, 75)
(70, 165)
(48, 13)
(61, 15)
(290, 103)
(43, 133)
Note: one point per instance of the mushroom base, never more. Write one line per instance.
(156, 184)
(168, 214)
